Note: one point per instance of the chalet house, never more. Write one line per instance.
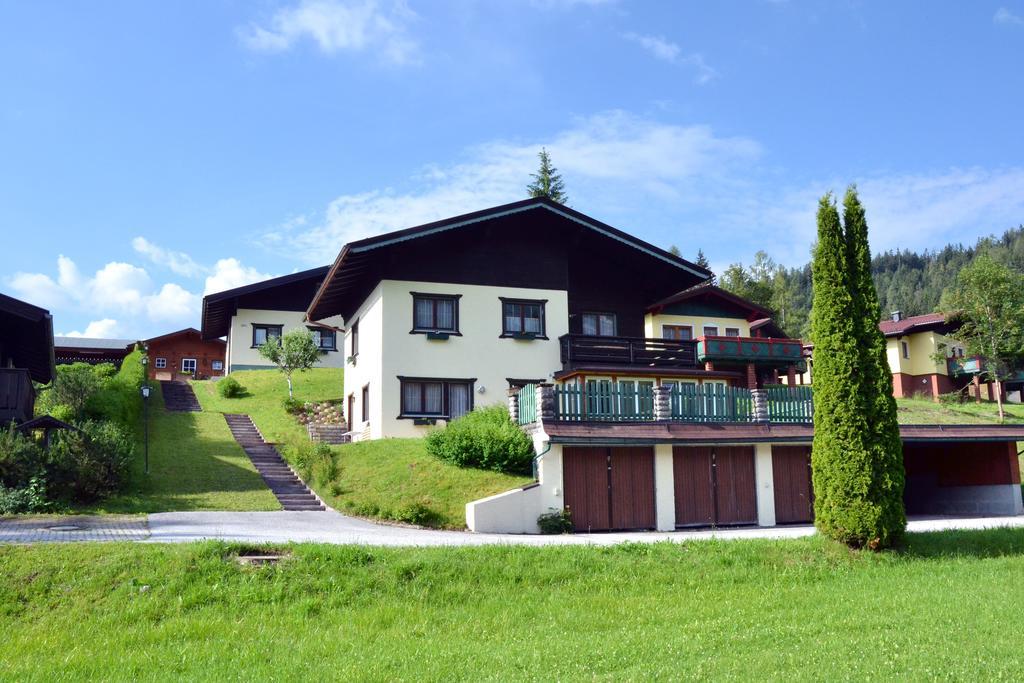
(26, 356)
(248, 316)
(654, 398)
(185, 355)
(91, 350)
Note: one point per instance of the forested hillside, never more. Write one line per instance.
(907, 281)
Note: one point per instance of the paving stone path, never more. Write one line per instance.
(291, 492)
(68, 528)
(179, 397)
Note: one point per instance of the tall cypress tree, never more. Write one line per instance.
(883, 441)
(841, 457)
(547, 182)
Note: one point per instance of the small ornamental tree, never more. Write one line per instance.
(547, 182)
(989, 301)
(296, 351)
(858, 490)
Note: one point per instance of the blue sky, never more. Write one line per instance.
(154, 152)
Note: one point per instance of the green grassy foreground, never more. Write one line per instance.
(950, 606)
(265, 392)
(396, 479)
(926, 411)
(194, 463)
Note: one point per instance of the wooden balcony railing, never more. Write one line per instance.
(650, 352)
(767, 351)
(17, 396)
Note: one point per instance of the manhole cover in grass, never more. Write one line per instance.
(254, 556)
(64, 527)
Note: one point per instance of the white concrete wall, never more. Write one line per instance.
(511, 512)
(664, 488)
(479, 353)
(242, 355)
(764, 480)
(365, 368)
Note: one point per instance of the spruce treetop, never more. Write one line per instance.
(547, 182)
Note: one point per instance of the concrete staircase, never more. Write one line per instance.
(291, 492)
(179, 397)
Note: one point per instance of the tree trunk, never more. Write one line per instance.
(288, 377)
(999, 398)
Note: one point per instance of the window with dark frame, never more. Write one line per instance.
(446, 399)
(906, 349)
(262, 333)
(325, 339)
(711, 330)
(677, 332)
(600, 324)
(354, 335)
(435, 313)
(732, 332)
(366, 403)
(522, 317)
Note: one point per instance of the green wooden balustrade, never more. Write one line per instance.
(790, 404)
(528, 404)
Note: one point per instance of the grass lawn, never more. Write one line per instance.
(926, 411)
(396, 479)
(194, 464)
(265, 392)
(950, 606)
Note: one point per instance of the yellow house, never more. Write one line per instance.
(919, 352)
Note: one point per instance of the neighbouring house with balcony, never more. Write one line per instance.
(26, 356)
(246, 317)
(654, 398)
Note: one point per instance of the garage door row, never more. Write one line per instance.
(614, 488)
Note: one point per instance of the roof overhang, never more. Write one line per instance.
(353, 257)
(26, 335)
(218, 308)
(707, 290)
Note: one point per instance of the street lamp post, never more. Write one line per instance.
(145, 408)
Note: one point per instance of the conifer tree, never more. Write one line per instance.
(547, 182)
(853, 484)
(702, 260)
(884, 444)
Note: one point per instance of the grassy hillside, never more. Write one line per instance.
(265, 392)
(395, 479)
(741, 610)
(926, 411)
(195, 464)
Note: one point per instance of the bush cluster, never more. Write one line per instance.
(97, 392)
(555, 522)
(229, 387)
(486, 439)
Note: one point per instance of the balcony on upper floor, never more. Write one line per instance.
(767, 351)
(592, 350)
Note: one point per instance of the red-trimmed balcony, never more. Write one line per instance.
(760, 351)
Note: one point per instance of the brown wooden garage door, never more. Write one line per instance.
(609, 488)
(714, 485)
(791, 475)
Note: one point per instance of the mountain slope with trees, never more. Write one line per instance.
(906, 280)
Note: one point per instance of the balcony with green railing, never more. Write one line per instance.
(760, 351)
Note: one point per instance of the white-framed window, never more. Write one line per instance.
(217, 365)
(160, 363)
(188, 365)
(711, 330)
(732, 332)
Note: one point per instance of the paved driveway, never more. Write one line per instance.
(332, 527)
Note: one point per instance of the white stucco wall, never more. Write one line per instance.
(764, 481)
(479, 353)
(365, 368)
(242, 355)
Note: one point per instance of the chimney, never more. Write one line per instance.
(897, 316)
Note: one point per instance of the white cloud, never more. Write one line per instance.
(179, 262)
(1008, 18)
(336, 26)
(667, 51)
(102, 329)
(174, 303)
(608, 158)
(229, 273)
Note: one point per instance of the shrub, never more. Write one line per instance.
(952, 398)
(119, 397)
(485, 438)
(312, 460)
(30, 498)
(293, 405)
(87, 465)
(555, 522)
(21, 458)
(229, 387)
(414, 513)
(75, 386)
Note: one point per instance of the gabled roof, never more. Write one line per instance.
(26, 337)
(706, 291)
(187, 330)
(913, 324)
(354, 261)
(768, 327)
(92, 343)
(286, 293)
